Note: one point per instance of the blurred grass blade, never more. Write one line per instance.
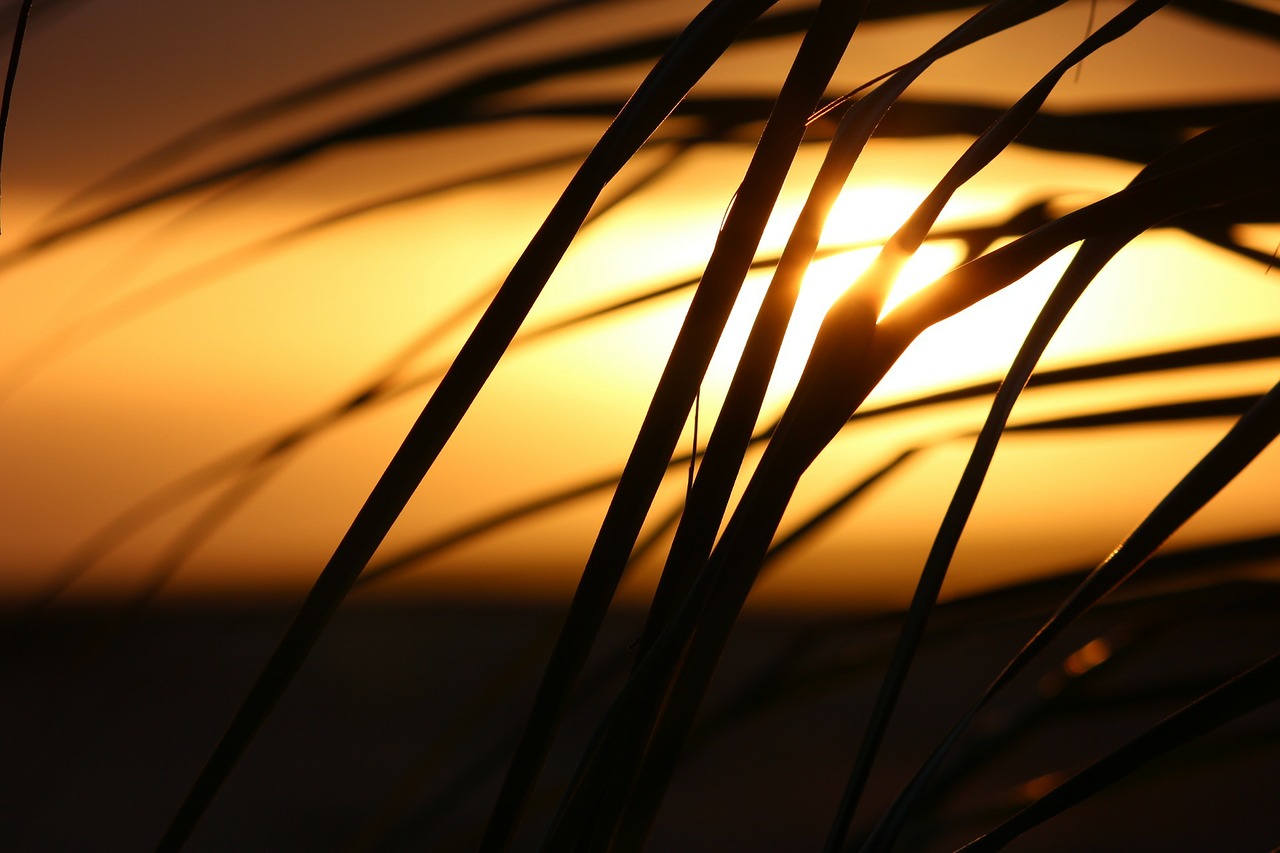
(258, 465)
(464, 104)
(11, 73)
(457, 106)
(1245, 17)
(86, 328)
(1246, 692)
(275, 107)
(1136, 135)
(1160, 413)
(1250, 435)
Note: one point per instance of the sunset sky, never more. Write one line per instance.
(141, 350)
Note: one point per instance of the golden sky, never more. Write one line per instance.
(102, 404)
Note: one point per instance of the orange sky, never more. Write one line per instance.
(251, 347)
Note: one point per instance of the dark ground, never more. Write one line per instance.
(394, 734)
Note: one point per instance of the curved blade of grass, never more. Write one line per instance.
(1137, 136)
(1131, 135)
(1233, 406)
(1246, 439)
(627, 815)
(856, 316)
(1248, 691)
(256, 464)
(710, 495)
(1245, 17)
(819, 52)
(1094, 254)
(1224, 164)
(215, 131)
(458, 105)
(11, 72)
(1230, 154)
(960, 614)
(1082, 270)
(1254, 349)
(705, 39)
(1163, 413)
(1217, 225)
(87, 328)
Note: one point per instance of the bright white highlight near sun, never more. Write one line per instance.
(823, 284)
(979, 342)
(828, 278)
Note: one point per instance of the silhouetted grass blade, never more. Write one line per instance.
(1246, 439)
(87, 328)
(1093, 255)
(710, 495)
(280, 106)
(386, 385)
(459, 105)
(1209, 169)
(1243, 16)
(735, 246)
(1244, 693)
(1086, 264)
(820, 406)
(11, 72)
(704, 40)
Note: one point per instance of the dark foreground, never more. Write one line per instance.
(395, 734)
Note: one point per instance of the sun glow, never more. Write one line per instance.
(823, 284)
